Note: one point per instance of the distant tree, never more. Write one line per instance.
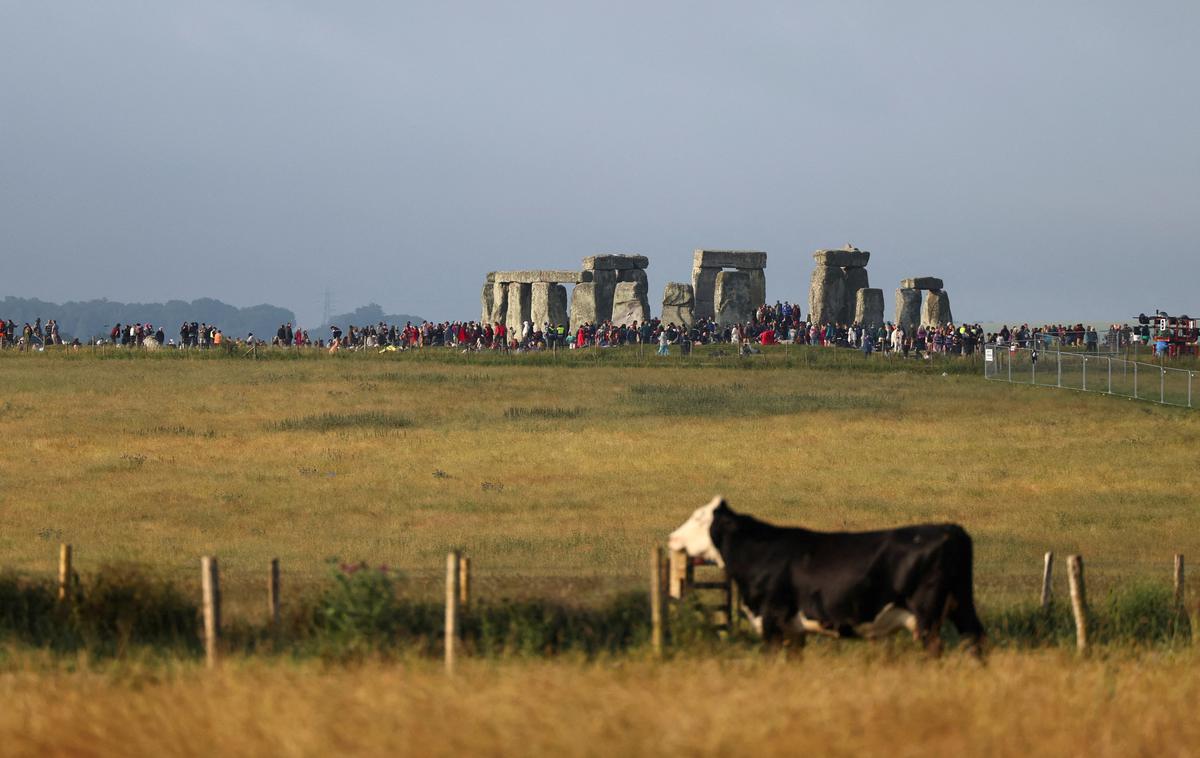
(93, 318)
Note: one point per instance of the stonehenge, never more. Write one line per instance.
(841, 293)
(836, 281)
(679, 304)
(604, 282)
(911, 312)
(727, 286)
(707, 265)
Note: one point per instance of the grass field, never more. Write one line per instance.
(556, 474)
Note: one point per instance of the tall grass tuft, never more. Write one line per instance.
(328, 422)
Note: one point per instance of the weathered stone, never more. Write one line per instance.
(856, 279)
(826, 294)
(634, 275)
(868, 307)
(922, 283)
(630, 304)
(731, 298)
(518, 311)
(487, 301)
(908, 309)
(845, 258)
(499, 312)
(679, 302)
(614, 262)
(606, 284)
(743, 259)
(540, 275)
(935, 311)
(758, 285)
(548, 304)
(583, 305)
(704, 288)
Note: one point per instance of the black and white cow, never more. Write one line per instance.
(795, 582)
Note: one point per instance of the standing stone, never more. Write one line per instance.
(606, 284)
(758, 285)
(487, 302)
(908, 309)
(868, 307)
(856, 279)
(679, 302)
(936, 309)
(704, 289)
(548, 304)
(518, 311)
(583, 305)
(732, 298)
(499, 314)
(630, 304)
(826, 294)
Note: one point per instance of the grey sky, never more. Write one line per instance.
(1041, 157)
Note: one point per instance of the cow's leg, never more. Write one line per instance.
(932, 604)
(967, 622)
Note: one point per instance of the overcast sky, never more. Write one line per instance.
(1042, 157)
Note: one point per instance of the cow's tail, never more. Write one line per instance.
(962, 589)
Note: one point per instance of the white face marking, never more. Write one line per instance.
(693, 536)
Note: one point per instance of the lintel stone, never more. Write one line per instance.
(922, 283)
(742, 259)
(614, 262)
(540, 275)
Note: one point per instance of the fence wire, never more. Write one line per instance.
(1105, 374)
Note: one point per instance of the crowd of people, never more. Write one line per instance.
(32, 336)
(780, 323)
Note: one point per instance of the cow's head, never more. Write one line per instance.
(695, 537)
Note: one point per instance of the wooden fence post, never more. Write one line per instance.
(273, 593)
(1078, 599)
(1179, 598)
(735, 606)
(680, 572)
(464, 581)
(210, 584)
(656, 601)
(1047, 572)
(451, 609)
(64, 571)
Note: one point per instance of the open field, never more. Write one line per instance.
(556, 479)
(552, 477)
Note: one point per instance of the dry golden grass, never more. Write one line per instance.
(1044, 703)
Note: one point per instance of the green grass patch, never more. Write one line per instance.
(330, 422)
(737, 400)
(542, 413)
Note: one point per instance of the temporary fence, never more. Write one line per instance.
(1105, 374)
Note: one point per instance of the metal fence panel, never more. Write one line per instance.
(1091, 372)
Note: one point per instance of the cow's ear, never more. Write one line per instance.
(722, 506)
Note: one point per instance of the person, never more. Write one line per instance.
(664, 343)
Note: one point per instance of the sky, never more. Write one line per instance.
(1043, 158)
